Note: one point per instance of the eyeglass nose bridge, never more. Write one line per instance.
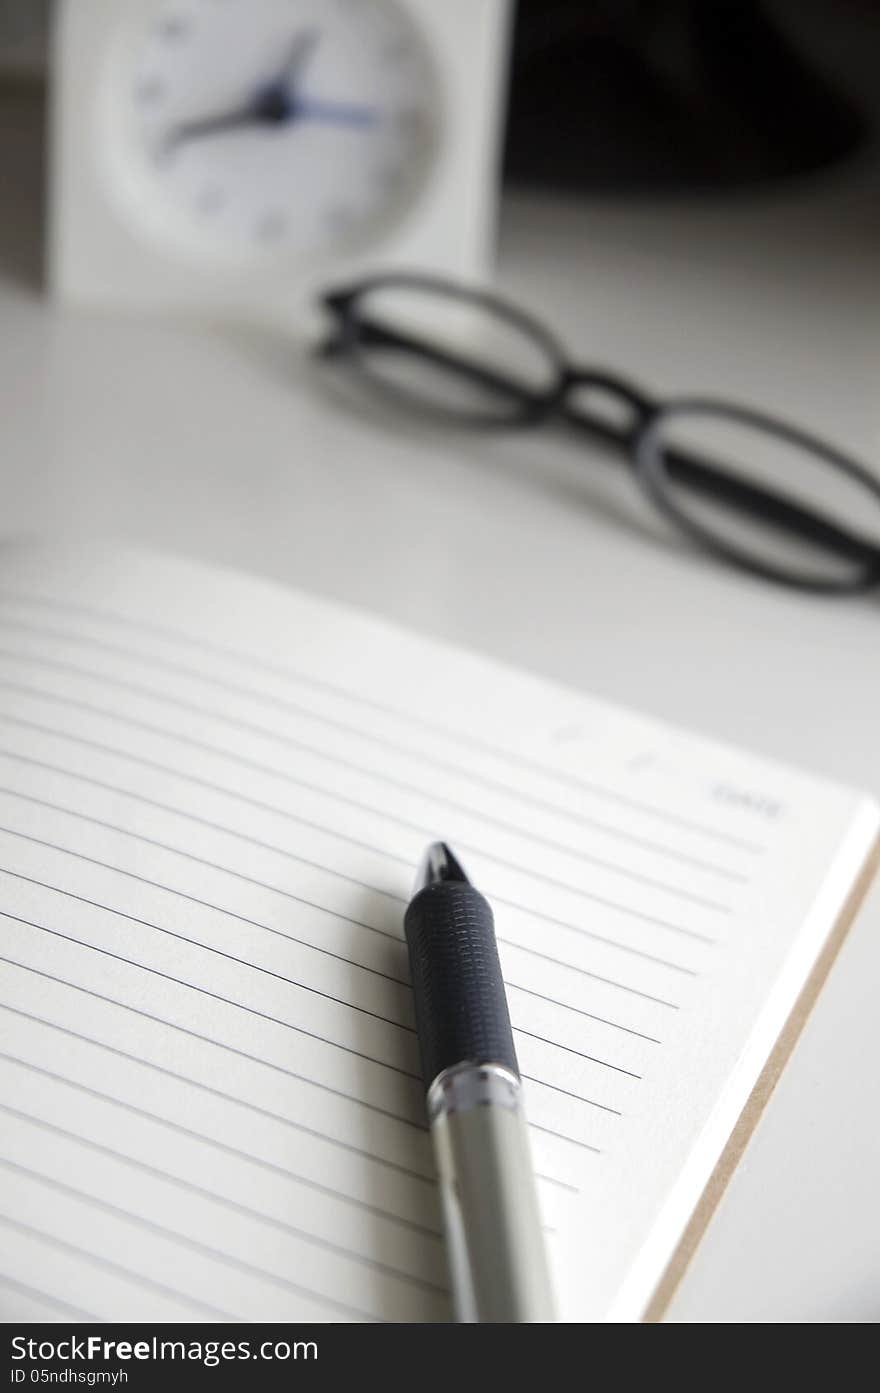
(621, 411)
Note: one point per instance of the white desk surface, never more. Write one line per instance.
(223, 445)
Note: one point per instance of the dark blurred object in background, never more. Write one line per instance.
(24, 27)
(629, 95)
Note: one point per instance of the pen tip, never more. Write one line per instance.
(439, 863)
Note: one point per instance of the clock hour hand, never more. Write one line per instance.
(237, 118)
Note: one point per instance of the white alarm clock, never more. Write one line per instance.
(233, 156)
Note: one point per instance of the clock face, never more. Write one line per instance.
(245, 129)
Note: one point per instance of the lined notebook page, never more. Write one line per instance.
(213, 796)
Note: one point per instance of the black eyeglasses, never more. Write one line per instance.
(762, 495)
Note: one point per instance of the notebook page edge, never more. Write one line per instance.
(660, 1292)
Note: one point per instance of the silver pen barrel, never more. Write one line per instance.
(495, 1242)
(494, 1239)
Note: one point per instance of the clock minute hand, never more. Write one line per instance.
(301, 50)
(335, 113)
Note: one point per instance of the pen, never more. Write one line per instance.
(495, 1244)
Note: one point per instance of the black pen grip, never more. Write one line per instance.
(461, 1006)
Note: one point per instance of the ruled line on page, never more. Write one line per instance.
(569, 1093)
(290, 938)
(183, 1240)
(426, 1177)
(359, 805)
(165, 846)
(277, 1020)
(379, 775)
(210, 948)
(217, 996)
(415, 1124)
(234, 914)
(115, 1268)
(44, 1298)
(563, 1136)
(185, 815)
(278, 890)
(50, 766)
(291, 675)
(586, 972)
(316, 1240)
(116, 751)
(224, 1201)
(286, 1025)
(281, 977)
(578, 1010)
(96, 745)
(581, 1054)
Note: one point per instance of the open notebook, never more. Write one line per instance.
(213, 796)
